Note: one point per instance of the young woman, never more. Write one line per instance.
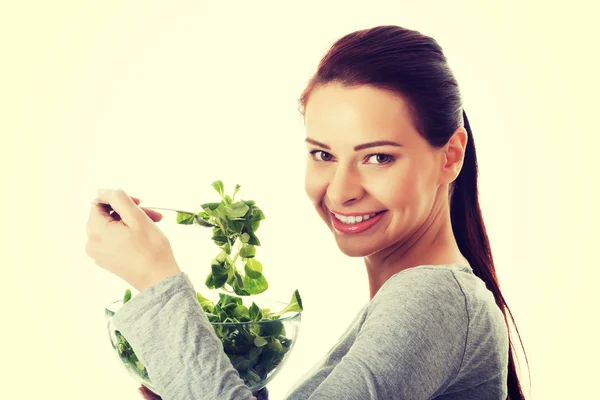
(392, 171)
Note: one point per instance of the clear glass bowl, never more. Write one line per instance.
(257, 362)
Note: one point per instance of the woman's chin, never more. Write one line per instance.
(352, 249)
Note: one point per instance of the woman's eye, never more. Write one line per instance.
(321, 155)
(380, 159)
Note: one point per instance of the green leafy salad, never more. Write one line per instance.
(253, 338)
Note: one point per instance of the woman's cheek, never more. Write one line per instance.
(403, 195)
(314, 185)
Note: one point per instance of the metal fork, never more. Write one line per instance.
(114, 214)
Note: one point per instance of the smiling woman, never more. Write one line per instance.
(392, 171)
(407, 196)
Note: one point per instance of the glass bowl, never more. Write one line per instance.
(257, 350)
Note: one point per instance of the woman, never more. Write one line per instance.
(392, 171)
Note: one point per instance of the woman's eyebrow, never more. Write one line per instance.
(376, 144)
(360, 146)
(316, 143)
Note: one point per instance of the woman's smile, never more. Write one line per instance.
(354, 224)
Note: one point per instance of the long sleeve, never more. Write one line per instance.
(430, 332)
(410, 344)
(173, 338)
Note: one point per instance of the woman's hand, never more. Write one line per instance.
(132, 246)
(147, 394)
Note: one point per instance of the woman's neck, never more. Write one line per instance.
(432, 244)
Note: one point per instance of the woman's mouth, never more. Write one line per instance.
(356, 223)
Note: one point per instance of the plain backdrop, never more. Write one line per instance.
(163, 98)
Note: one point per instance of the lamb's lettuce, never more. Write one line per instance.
(253, 338)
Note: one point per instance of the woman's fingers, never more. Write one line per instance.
(120, 202)
(154, 215)
(124, 206)
(147, 394)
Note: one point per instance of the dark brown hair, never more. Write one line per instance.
(413, 66)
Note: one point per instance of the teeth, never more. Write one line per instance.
(354, 219)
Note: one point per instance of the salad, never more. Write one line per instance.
(253, 337)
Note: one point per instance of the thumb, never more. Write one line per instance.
(123, 205)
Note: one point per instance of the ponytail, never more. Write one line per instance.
(471, 236)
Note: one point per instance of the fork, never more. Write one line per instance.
(114, 214)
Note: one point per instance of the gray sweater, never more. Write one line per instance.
(430, 332)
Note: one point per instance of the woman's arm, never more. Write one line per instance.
(410, 345)
(174, 339)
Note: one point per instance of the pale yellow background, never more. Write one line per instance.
(162, 98)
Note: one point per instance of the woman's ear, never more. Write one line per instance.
(453, 156)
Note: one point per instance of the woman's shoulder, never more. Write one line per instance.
(441, 290)
(432, 281)
(437, 281)
(420, 288)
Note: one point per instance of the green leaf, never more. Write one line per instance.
(221, 257)
(127, 296)
(265, 310)
(220, 313)
(202, 222)
(220, 281)
(218, 212)
(247, 250)
(253, 239)
(209, 207)
(226, 248)
(212, 317)
(241, 311)
(236, 190)
(206, 304)
(255, 313)
(236, 210)
(241, 363)
(275, 346)
(256, 285)
(184, 218)
(228, 301)
(257, 214)
(222, 211)
(245, 237)
(273, 328)
(295, 305)
(210, 281)
(238, 284)
(254, 354)
(218, 185)
(220, 270)
(240, 291)
(253, 268)
(260, 341)
(220, 240)
(235, 226)
(252, 376)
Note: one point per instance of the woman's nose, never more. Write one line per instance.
(344, 187)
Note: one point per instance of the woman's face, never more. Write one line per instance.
(368, 166)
